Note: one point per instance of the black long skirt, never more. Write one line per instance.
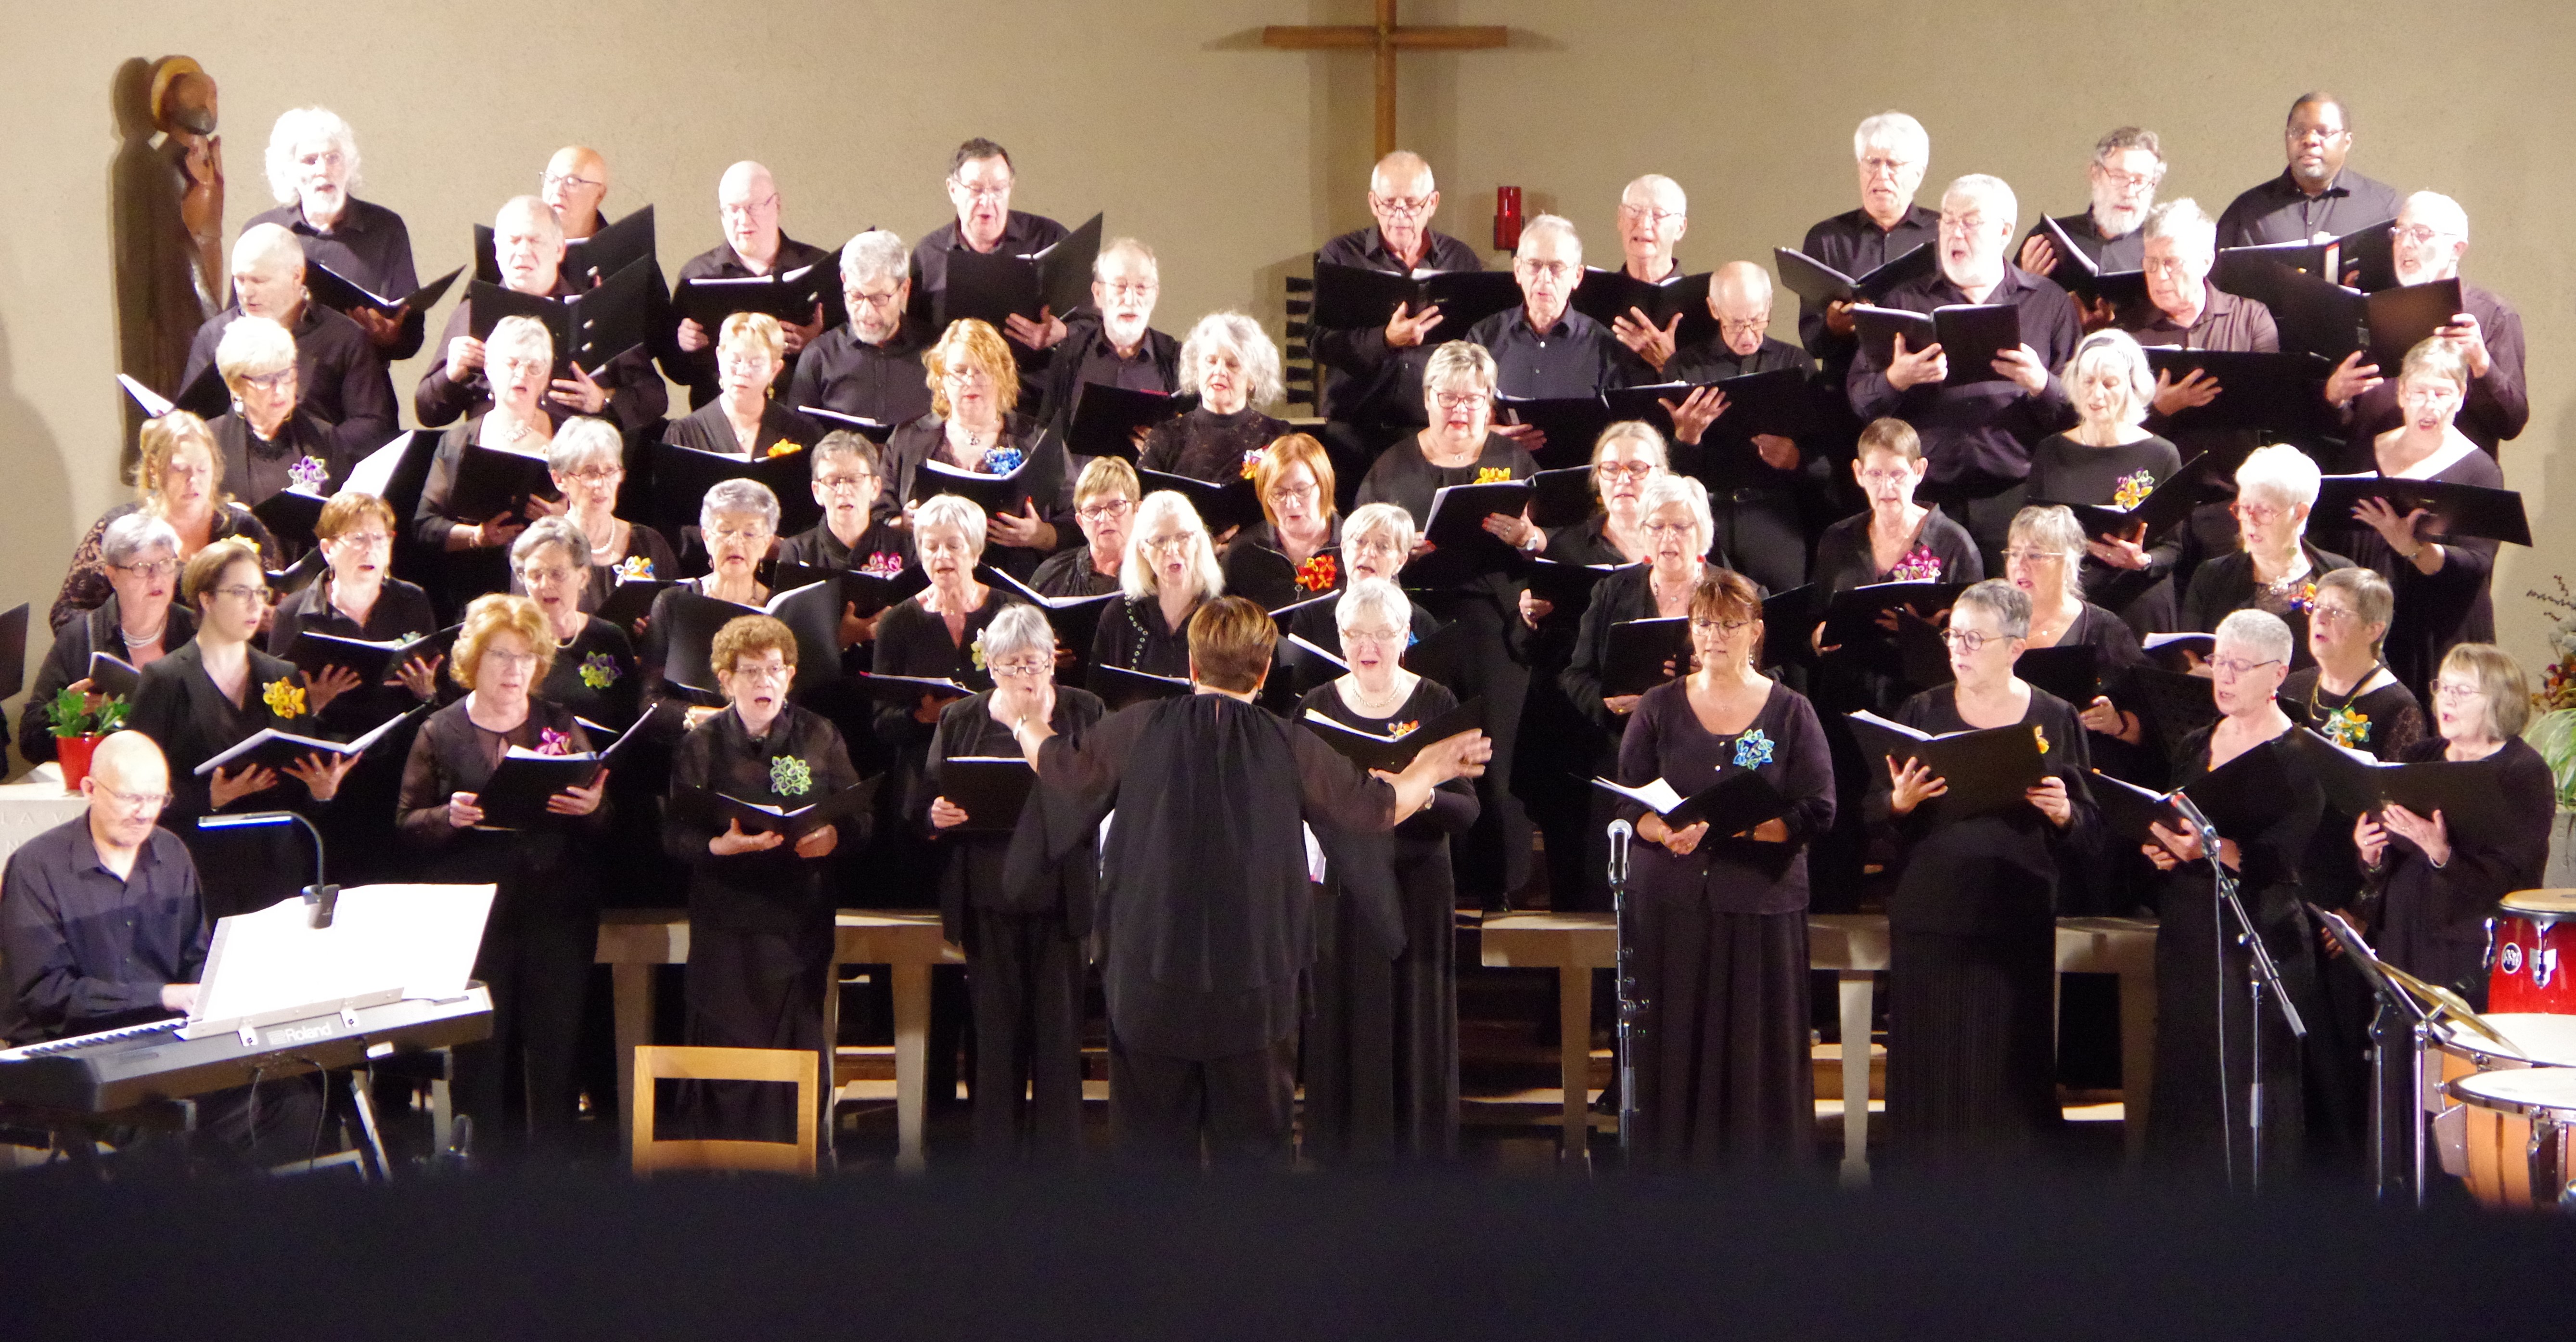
(1971, 1047)
(2197, 1119)
(1723, 1075)
(1381, 1036)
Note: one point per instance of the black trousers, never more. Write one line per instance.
(755, 990)
(1025, 974)
(1160, 1109)
(522, 1086)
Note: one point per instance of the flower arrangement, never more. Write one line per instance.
(1252, 461)
(883, 564)
(2348, 727)
(598, 671)
(635, 568)
(2134, 489)
(1494, 475)
(1002, 460)
(975, 650)
(552, 742)
(1752, 750)
(1918, 565)
(1404, 729)
(307, 475)
(784, 448)
(2040, 736)
(2553, 726)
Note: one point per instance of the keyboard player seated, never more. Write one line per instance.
(101, 927)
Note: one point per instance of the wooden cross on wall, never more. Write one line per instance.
(1385, 39)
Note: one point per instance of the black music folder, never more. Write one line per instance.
(1739, 800)
(2455, 509)
(291, 515)
(1562, 498)
(867, 593)
(1075, 618)
(1643, 654)
(2356, 784)
(589, 328)
(1852, 614)
(1787, 617)
(1458, 513)
(1820, 284)
(1119, 687)
(1572, 424)
(586, 260)
(875, 430)
(332, 290)
(995, 494)
(1971, 335)
(683, 475)
(1106, 418)
(995, 288)
(1608, 295)
(206, 398)
(515, 796)
(1221, 507)
(112, 676)
(375, 660)
(2198, 482)
(491, 481)
(1782, 401)
(1395, 753)
(2256, 389)
(791, 295)
(1352, 297)
(909, 689)
(2332, 321)
(270, 748)
(1987, 770)
(812, 612)
(13, 650)
(990, 789)
(771, 818)
(1566, 586)
(2079, 274)
(2172, 704)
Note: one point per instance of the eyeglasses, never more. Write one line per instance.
(158, 568)
(748, 209)
(1745, 327)
(1132, 290)
(1885, 477)
(510, 367)
(1658, 218)
(141, 803)
(2232, 667)
(241, 592)
(1375, 638)
(2127, 181)
(1634, 470)
(1728, 627)
(2260, 514)
(547, 576)
(553, 180)
(1105, 509)
(594, 475)
(965, 375)
(366, 540)
(2167, 265)
(2454, 692)
(1972, 641)
(2321, 613)
(1404, 206)
(2031, 556)
(272, 383)
(844, 484)
(1460, 400)
(1962, 223)
(1291, 493)
(1887, 164)
(998, 191)
(1547, 270)
(754, 532)
(521, 660)
(1030, 668)
(2419, 233)
(766, 673)
(1658, 530)
(2298, 133)
(1174, 541)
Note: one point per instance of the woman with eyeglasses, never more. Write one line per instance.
(270, 442)
(742, 420)
(1104, 504)
(1288, 556)
(975, 426)
(2204, 1029)
(139, 625)
(1972, 1047)
(1381, 1042)
(739, 519)
(544, 925)
(2110, 460)
(593, 671)
(1720, 919)
(359, 598)
(2276, 570)
(519, 359)
(1170, 571)
(847, 476)
(1021, 924)
(1376, 540)
(2043, 554)
(179, 480)
(1897, 540)
(587, 460)
(2441, 585)
(209, 696)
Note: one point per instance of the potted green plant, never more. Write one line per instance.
(2552, 731)
(78, 729)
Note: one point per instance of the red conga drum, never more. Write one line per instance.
(2534, 965)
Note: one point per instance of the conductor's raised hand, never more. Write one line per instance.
(1460, 756)
(1404, 331)
(1914, 368)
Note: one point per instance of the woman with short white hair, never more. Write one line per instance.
(1229, 363)
(2109, 460)
(312, 167)
(1376, 540)
(588, 462)
(1381, 1040)
(1169, 571)
(270, 443)
(137, 625)
(2276, 568)
(738, 519)
(518, 359)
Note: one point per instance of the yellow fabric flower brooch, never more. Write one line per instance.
(284, 698)
(1494, 475)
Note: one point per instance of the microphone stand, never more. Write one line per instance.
(2266, 977)
(1632, 1008)
(321, 897)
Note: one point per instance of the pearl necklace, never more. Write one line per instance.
(1371, 706)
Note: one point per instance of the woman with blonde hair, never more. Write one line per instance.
(975, 427)
(742, 420)
(179, 479)
(1288, 556)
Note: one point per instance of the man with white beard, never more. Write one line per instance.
(1114, 345)
(2128, 164)
(2432, 235)
(871, 367)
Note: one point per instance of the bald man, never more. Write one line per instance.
(2316, 196)
(574, 185)
(1654, 213)
(1372, 393)
(2432, 235)
(1766, 492)
(341, 380)
(748, 207)
(528, 246)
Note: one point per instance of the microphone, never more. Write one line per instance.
(323, 898)
(1621, 832)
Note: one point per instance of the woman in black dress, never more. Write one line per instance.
(1230, 364)
(742, 421)
(2264, 816)
(137, 626)
(1971, 1053)
(474, 551)
(593, 670)
(760, 916)
(739, 519)
(2276, 569)
(1460, 448)
(847, 476)
(588, 462)
(1289, 556)
(2043, 550)
(1381, 1041)
(2109, 460)
(1170, 570)
(539, 940)
(1023, 936)
(1720, 920)
(1897, 540)
(974, 427)
(1104, 504)
(211, 695)
(2441, 586)
(269, 444)
(179, 480)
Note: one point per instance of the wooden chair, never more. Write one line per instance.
(656, 1062)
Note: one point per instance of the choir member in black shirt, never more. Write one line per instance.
(1290, 555)
(2203, 1031)
(2432, 235)
(207, 697)
(138, 625)
(1720, 919)
(849, 537)
(1019, 900)
(973, 425)
(1376, 539)
(1229, 362)
(1372, 375)
(1460, 448)
(342, 380)
(1544, 348)
(760, 915)
(1893, 152)
(2275, 567)
(2109, 460)
(528, 244)
(588, 462)
(269, 443)
(1766, 490)
(1972, 1058)
(1202, 978)
(980, 179)
(574, 186)
(2316, 196)
(178, 479)
(1654, 213)
(938, 632)
(2431, 893)
(1673, 517)
(737, 417)
(2128, 165)
(593, 671)
(869, 367)
(1977, 435)
(739, 520)
(748, 206)
(1381, 1044)
(1897, 540)
(1113, 344)
(1104, 505)
(312, 165)
(1170, 571)
(544, 925)
(2040, 555)
(520, 354)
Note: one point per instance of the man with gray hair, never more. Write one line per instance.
(1372, 376)
(1892, 151)
(1977, 434)
(1114, 344)
(748, 205)
(980, 181)
(2316, 196)
(1654, 213)
(2432, 235)
(312, 171)
(342, 380)
(2128, 165)
(1766, 492)
(870, 367)
(1544, 348)
(528, 246)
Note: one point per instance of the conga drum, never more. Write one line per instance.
(2531, 1040)
(2517, 1127)
(2534, 964)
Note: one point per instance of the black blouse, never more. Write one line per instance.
(911, 641)
(1046, 476)
(1258, 570)
(707, 430)
(1070, 572)
(451, 754)
(2432, 919)
(402, 612)
(1132, 636)
(1942, 552)
(2449, 606)
(1724, 874)
(773, 890)
(257, 468)
(973, 875)
(1453, 807)
(101, 630)
(2000, 871)
(596, 676)
(1626, 595)
(1205, 445)
(2272, 840)
(2224, 585)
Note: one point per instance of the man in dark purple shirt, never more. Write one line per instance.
(312, 166)
(2432, 235)
(871, 367)
(1976, 436)
(1372, 392)
(980, 180)
(1544, 348)
(1893, 151)
(2316, 196)
(748, 205)
(342, 381)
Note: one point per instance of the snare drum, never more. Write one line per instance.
(2517, 1129)
(2532, 1040)
(2534, 964)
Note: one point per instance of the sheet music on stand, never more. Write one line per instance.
(385, 943)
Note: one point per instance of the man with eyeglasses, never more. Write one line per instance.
(1977, 435)
(2128, 165)
(1114, 345)
(339, 376)
(1892, 151)
(1654, 213)
(1372, 376)
(2432, 235)
(980, 180)
(748, 206)
(528, 246)
(574, 186)
(870, 367)
(312, 171)
(2316, 197)
(1767, 494)
(1544, 348)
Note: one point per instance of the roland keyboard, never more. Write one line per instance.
(120, 1069)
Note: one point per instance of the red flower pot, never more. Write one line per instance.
(73, 753)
